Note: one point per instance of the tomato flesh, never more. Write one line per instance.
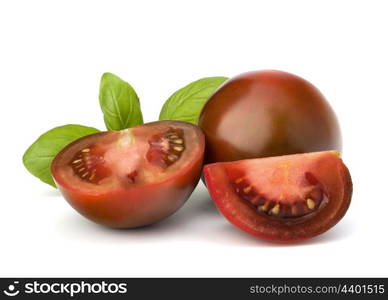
(284, 198)
(132, 177)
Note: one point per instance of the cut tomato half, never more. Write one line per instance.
(132, 177)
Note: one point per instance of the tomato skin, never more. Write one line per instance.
(136, 207)
(334, 176)
(142, 204)
(267, 113)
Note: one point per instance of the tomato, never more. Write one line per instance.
(132, 177)
(267, 113)
(283, 198)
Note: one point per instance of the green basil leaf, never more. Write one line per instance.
(38, 157)
(186, 104)
(119, 103)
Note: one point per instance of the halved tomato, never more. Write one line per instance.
(132, 177)
(283, 198)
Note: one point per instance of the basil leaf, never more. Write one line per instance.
(186, 104)
(119, 103)
(38, 157)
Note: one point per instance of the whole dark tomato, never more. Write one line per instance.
(267, 113)
(132, 177)
(282, 198)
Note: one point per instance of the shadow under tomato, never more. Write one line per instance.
(339, 232)
(230, 235)
(198, 219)
(202, 209)
(51, 192)
(77, 227)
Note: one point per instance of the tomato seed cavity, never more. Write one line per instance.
(165, 149)
(88, 165)
(276, 208)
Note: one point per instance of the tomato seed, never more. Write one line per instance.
(247, 189)
(178, 141)
(310, 203)
(178, 148)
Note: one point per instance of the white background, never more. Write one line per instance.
(52, 54)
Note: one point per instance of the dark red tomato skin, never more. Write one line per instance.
(153, 203)
(267, 113)
(141, 205)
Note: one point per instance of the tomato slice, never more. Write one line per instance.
(283, 198)
(132, 177)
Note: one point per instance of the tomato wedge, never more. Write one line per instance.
(283, 198)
